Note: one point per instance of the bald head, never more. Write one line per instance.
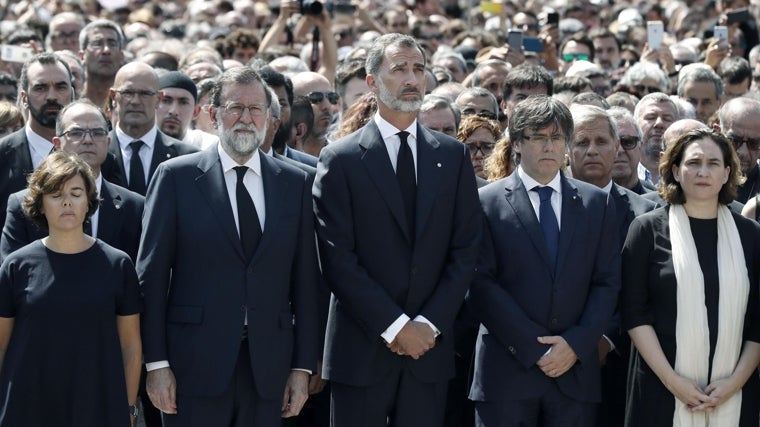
(308, 82)
(679, 128)
(739, 123)
(135, 92)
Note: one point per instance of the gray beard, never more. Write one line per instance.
(397, 104)
(240, 145)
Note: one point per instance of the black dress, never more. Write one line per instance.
(63, 365)
(648, 297)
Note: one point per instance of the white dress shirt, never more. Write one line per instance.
(535, 199)
(39, 147)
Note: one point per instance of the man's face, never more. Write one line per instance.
(283, 130)
(400, 84)
(241, 135)
(136, 99)
(574, 51)
(627, 161)
(593, 152)
(454, 68)
(103, 55)
(201, 71)
(91, 150)
(606, 53)
(175, 112)
(654, 119)
(439, 119)
(323, 109)
(519, 94)
(731, 91)
(65, 36)
(601, 86)
(355, 89)
(542, 160)
(745, 128)
(526, 23)
(243, 54)
(704, 98)
(492, 79)
(49, 91)
(471, 105)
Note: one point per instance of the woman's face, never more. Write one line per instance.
(702, 172)
(480, 143)
(66, 209)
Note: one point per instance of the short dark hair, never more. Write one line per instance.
(240, 38)
(44, 58)
(735, 70)
(575, 84)
(346, 71)
(50, 176)
(538, 112)
(527, 76)
(670, 190)
(580, 39)
(603, 33)
(301, 112)
(275, 79)
(84, 35)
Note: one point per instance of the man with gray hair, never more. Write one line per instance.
(478, 101)
(438, 114)
(700, 86)
(101, 49)
(740, 123)
(654, 113)
(490, 75)
(399, 224)
(625, 169)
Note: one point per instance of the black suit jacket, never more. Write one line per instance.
(301, 157)
(164, 149)
(119, 221)
(199, 287)
(654, 196)
(518, 297)
(376, 269)
(15, 166)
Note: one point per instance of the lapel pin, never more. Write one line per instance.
(168, 156)
(439, 165)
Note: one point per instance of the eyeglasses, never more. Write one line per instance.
(629, 142)
(77, 135)
(543, 139)
(142, 94)
(235, 109)
(317, 97)
(66, 35)
(484, 147)
(486, 115)
(753, 144)
(570, 57)
(100, 44)
(647, 89)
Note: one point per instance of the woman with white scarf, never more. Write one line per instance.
(689, 298)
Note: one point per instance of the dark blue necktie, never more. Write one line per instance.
(548, 221)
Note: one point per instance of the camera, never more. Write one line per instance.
(311, 7)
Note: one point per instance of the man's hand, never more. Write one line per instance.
(560, 359)
(414, 339)
(316, 383)
(296, 394)
(162, 390)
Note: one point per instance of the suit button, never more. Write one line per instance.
(512, 350)
(554, 321)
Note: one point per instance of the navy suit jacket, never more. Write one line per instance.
(198, 286)
(376, 269)
(119, 221)
(301, 157)
(518, 298)
(15, 166)
(164, 149)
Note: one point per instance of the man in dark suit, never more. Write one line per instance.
(739, 123)
(44, 88)
(625, 170)
(135, 96)
(82, 128)
(399, 226)
(546, 283)
(593, 150)
(227, 264)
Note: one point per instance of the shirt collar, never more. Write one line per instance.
(148, 139)
(387, 129)
(254, 163)
(531, 183)
(37, 142)
(607, 188)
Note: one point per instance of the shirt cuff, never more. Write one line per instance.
(612, 344)
(422, 319)
(390, 334)
(308, 371)
(152, 366)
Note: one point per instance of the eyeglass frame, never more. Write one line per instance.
(85, 133)
(130, 94)
(753, 144)
(541, 140)
(480, 146)
(322, 95)
(636, 140)
(244, 108)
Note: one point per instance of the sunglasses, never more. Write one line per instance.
(570, 57)
(753, 144)
(629, 142)
(647, 89)
(317, 97)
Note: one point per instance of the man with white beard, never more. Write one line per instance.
(228, 268)
(399, 223)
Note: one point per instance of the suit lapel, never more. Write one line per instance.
(517, 198)
(274, 188)
(572, 205)
(213, 187)
(624, 213)
(162, 152)
(430, 166)
(109, 213)
(115, 149)
(380, 169)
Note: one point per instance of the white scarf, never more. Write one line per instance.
(692, 332)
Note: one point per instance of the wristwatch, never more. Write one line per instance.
(134, 411)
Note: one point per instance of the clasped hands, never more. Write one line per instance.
(688, 392)
(414, 340)
(559, 359)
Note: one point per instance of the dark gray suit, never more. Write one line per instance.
(301, 157)
(15, 166)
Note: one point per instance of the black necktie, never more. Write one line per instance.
(548, 221)
(407, 179)
(136, 172)
(248, 219)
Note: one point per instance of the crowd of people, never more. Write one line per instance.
(360, 213)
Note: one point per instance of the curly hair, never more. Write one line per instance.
(238, 39)
(357, 115)
(50, 177)
(501, 163)
(470, 124)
